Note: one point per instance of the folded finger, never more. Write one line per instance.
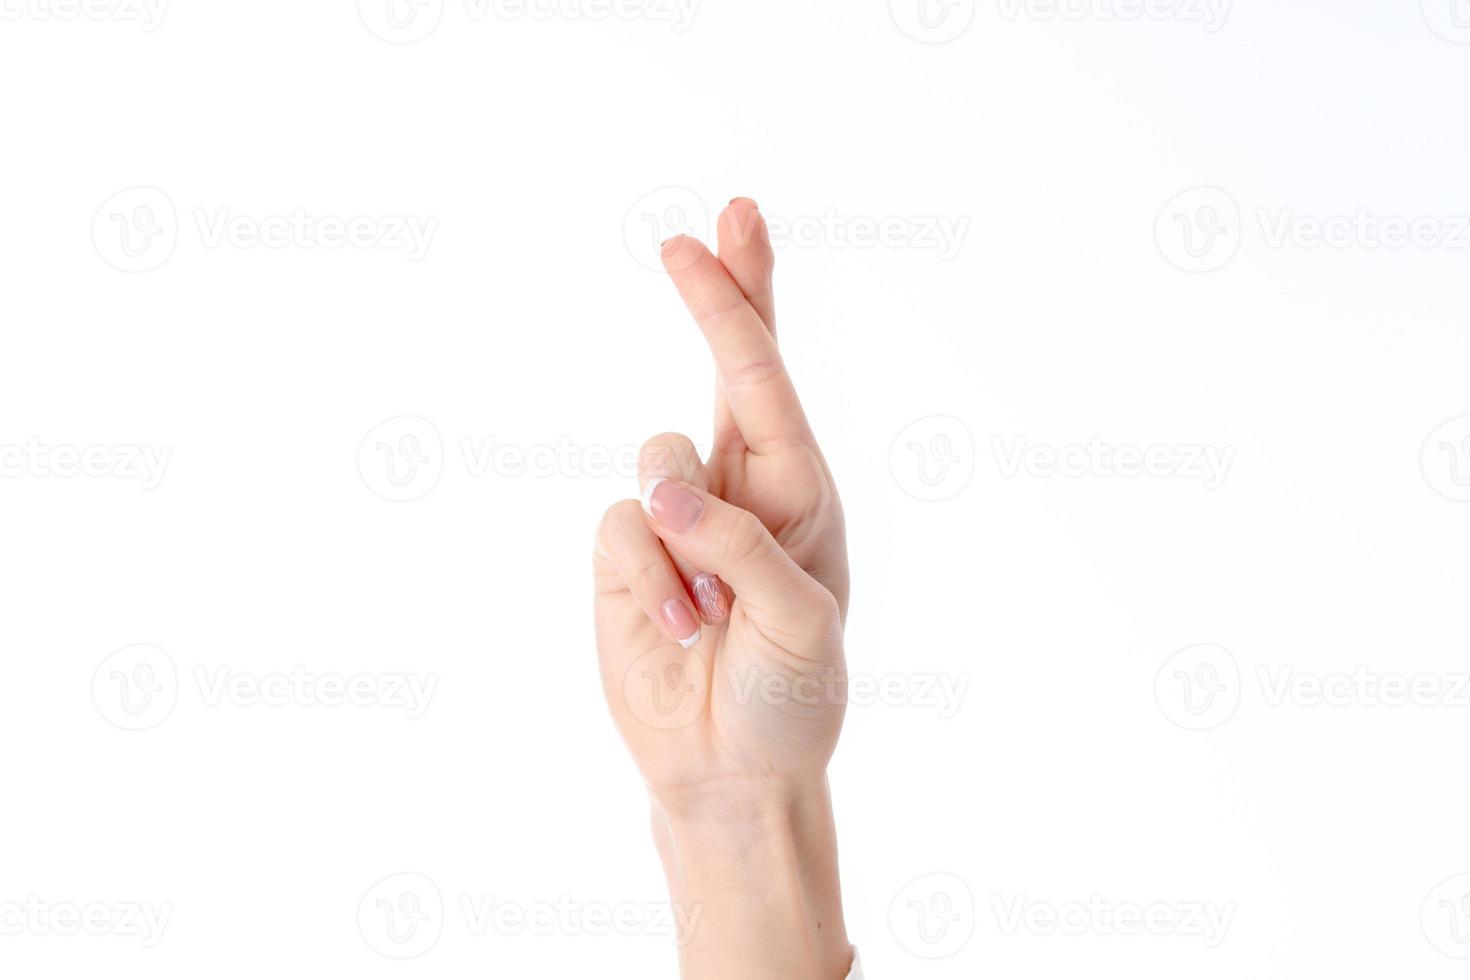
(734, 544)
(672, 456)
(645, 567)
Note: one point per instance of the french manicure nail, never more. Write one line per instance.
(676, 508)
(681, 623)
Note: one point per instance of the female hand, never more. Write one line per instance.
(732, 723)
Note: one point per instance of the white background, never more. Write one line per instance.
(548, 155)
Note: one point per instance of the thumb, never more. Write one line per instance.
(733, 543)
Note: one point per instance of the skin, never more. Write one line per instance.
(733, 735)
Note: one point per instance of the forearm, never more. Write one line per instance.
(752, 870)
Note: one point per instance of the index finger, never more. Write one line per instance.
(762, 398)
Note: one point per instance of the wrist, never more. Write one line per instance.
(752, 866)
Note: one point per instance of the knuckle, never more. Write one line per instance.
(748, 540)
(831, 609)
(822, 613)
(711, 313)
(756, 373)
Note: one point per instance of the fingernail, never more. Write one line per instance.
(709, 598)
(745, 200)
(681, 623)
(669, 244)
(676, 508)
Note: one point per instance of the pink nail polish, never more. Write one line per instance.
(675, 507)
(709, 598)
(681, 623)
